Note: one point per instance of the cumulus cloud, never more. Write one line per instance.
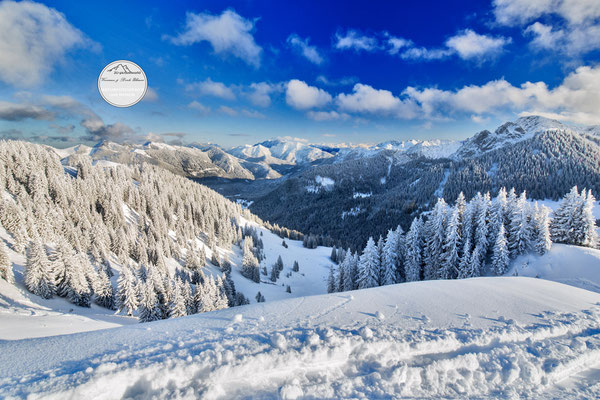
(309, 52)
(260, 93)
(327, 115)
(569, 26)
(302, 96)
(576, 99)
(211, 88)
(33, 39)
(228, 34)
(353, 40)
(366, 99)
(468, 44)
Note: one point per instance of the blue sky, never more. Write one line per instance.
(349, 71)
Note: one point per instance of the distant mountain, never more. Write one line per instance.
(375, 190)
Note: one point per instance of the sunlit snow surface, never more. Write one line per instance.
(482, 337)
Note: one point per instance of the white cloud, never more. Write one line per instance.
(353, 40)
(366, 99)
(327, 115)
(33, 39)
(197, 106)
(253, 114)
(345, 81)
(576, 99)
(211, 88)
(396, 43)
(302, 96)
(228, 33)
(228, 110)
(309, 52)
(422, 53)
(469, 45)
(260, 93)
(571, 27)
(150, 95)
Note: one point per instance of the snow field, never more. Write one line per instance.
(482, 337)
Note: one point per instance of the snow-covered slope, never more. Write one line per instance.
(571, 265)
(485, 337)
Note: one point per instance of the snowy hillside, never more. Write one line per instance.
(484, 337)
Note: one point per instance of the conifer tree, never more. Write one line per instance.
(413, 246)
(390, 258)
(177, 305)
(452, 243)
(37, 274)
(148, 308)
(127, 292)
(500, 253)
(6, 271)
(368, 266)
(331, 286)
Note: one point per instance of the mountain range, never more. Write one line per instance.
(349, 192)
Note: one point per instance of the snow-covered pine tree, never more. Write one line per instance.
(296, 267)
(452, 243)
(259, 297)
(127, 292)
(37, 274)
(6, 271)
(590, 231)
(381, 268)
(250, 265)
(368, 266)
(103, 290)
(351, 273)
(520, 227)
(78, 287)
(413, 251)
(541, 229)
(434, 240)
(481, 226)
(474, 264)
(341, 276)
(497, 214)
(389, 259)
(465, 259)
(331, 286)
(333, 255)
(500, 253)
(177, 305)
(149, 308)
(221, 301)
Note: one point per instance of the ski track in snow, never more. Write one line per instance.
(336, 354)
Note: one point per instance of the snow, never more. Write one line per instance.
(439, 192)
(572, 265)
(483, 337)
(324, 181)
(310, 280)
(25, 315)
(357, 195)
